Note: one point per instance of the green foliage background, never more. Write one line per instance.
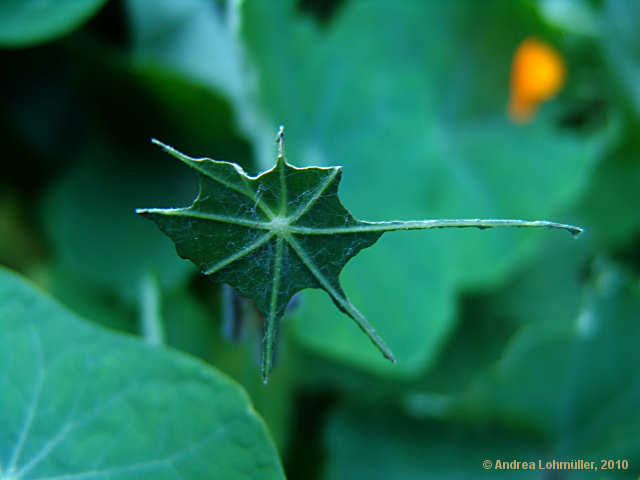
(510, 343)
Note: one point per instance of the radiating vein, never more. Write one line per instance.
(270, 324)
(427, 224)
(138, 467)
(195, 164)
(316, 195)
(186, 212)
(341, 300)
(142, 466)
(239, 254)
(33, 405)
(82, 384)
(70, 425)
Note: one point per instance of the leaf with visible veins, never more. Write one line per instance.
(280, 232)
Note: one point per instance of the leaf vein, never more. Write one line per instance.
(187, 212)
(195, 164)
(70, 425)
(239, 254)
(342, 301)
(270, 327)
(33, 405)
(316, 195)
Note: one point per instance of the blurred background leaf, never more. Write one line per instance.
(28, 22)
(365, 445)
(620, 43)
(573, 377)
(99, 237)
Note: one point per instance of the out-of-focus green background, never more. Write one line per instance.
(511, 344)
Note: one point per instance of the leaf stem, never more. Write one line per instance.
(231, 315)
(150, 319)
(280, 141)
(427, 224)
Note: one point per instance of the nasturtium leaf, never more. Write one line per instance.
(85, 298)
(620, 47)
(98, 238)
(614, 189)
(199, 42)
(285, 230)
(80, 402)
(29, 22)
(376, 445)
(572, 377)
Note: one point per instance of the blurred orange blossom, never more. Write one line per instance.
(537, 73)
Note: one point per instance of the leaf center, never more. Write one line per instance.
(279, 225)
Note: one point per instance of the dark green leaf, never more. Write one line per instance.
(80, 402)
(285, 230)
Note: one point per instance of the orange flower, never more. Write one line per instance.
(537, 74)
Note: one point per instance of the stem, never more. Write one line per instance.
(231, 315)
(150, 319)
(280, 141)
(427, 224)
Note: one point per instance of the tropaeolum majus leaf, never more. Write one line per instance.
(280, 232)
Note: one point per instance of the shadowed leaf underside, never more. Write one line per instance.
(280, 232)
(268, 236)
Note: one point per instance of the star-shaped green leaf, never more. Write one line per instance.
(280, 232)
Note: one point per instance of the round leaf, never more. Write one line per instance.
(81, 402)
